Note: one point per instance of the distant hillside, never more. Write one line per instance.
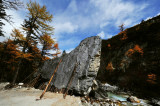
(131, 59)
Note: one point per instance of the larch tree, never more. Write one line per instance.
(37, 24)
(18, 37)
(27, 50)
(20, 56)
(47, 43)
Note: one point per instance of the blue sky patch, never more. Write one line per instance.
(75, 20)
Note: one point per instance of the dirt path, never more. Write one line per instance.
(27, 97)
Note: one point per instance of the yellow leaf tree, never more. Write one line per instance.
(36, 24)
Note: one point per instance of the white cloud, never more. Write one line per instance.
(128, 22)
(116, 11)
(72, 7)
(17, 20)
(72, 41)
(104, 24)
(96, 14)
(104, 35)
(148, 18)
(54, 52)
(158, 14)
(109, 36)
(66, 27)
(101, 34)
(2, 38)
(69, 50)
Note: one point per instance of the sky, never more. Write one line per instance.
(75, 20)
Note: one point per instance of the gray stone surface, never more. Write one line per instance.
(87, 55)
(133, 99)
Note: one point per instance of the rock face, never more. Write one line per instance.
(131, 59)
(86, 55)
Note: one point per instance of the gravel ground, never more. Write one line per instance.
(27, 97)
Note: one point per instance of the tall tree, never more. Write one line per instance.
(37, 23)
(25, 50)
(20, 56)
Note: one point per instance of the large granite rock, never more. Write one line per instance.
(86, 55)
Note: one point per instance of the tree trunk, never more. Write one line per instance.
(16, 74)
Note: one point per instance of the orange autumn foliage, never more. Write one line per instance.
(12, 50)
(48, 40)
(151, 78)
(136, 49)
(130, 52)
(17, 35)
(29, 49)
(14, 53)
(109, 45)
(9, 53)
(124, 35)
(110, 67)
(45, 58)
(48, 44)
(27, 56)
(56, 45)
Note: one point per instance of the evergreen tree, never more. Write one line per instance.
(4, 5)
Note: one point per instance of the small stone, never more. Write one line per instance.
(83, 100)
(20, 84)
(95, 104)
(133, 99)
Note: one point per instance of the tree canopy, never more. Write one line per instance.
(37, 26)
(29, 46)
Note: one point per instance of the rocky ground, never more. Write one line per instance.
(107, 95)
(25, 96)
